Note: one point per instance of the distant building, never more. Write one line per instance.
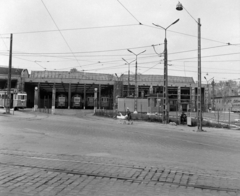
(17, 77)
(182, 91)
(231, 103)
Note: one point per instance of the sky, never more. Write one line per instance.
(94, 36)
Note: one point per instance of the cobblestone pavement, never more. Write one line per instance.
(57, 155)
(24, 173)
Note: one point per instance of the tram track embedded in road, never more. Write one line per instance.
(130, 173)
(139, 176)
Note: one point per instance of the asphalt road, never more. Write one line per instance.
(85, 134)
(79, 133)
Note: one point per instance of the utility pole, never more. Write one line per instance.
(199, 96)
(199, 101)
(136, 84)
(9, 78)
(165, 91)
(165, 83)
(128, 90)
(213, 101)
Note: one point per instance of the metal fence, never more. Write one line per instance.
(220, 119)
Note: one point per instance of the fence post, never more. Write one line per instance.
(229, 118)
(177, 112)
(218, 116)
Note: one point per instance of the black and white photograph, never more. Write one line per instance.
(119, 98)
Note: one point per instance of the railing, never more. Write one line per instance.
(210, 119)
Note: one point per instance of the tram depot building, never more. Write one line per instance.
(182, 91)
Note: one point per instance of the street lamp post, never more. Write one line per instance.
(136, 86)
(208, 88)
(165, 88)
(199, 94)
(128, 75)
(9, 78)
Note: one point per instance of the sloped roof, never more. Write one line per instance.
(75, 75)
(109, 77)
(15, 71)
(160, 78)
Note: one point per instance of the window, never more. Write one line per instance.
(21, 97)
(76, 99)
(104, 99)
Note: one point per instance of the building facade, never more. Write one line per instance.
(227, 103)
(182, 91)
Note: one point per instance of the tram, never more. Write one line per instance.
(105, 102)
(90, 101)
(61, 101)
(76, 101)
(19, 99)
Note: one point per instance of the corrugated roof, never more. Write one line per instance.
(160, 78)
(109, 77)
(66, 74)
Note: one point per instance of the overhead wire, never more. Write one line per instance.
(150, 68)
(71, 29)
(4, 42)
(40, 65)
(59, 31)
(96, 51)
(187, 34)
(130, 13)
(191, 70)
(42, 54)
(207, 56)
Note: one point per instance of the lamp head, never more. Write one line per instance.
(175, 21)
(179, 7)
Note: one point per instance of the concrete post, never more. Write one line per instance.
(151, 89)
(178, 103)
(39, 100)
(69, 96)
(53, 99)
(35, 99)
(193, 99)
(95, 99)
(100, 102)
(84, 97)
(179, 98)
(206, 95)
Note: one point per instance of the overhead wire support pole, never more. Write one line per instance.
(199, 109)
(199, 92)
(136, 86)
(165, 91)
(165, 86)
(9, 78)
(128, 75)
